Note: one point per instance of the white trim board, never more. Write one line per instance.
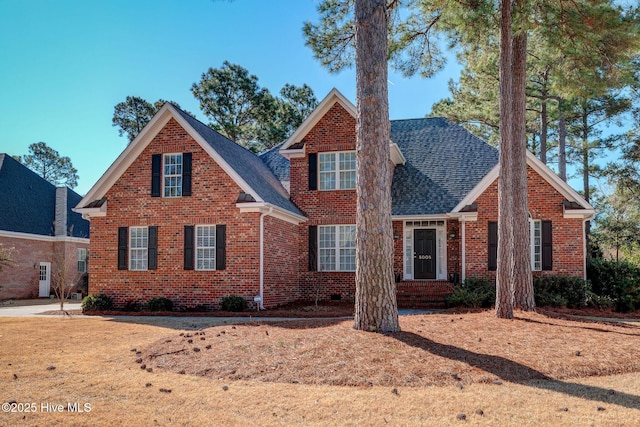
(29, 236)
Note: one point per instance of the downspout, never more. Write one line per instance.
(463, 236)
(261, 305)
(584, 248)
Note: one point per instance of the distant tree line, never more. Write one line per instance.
(237, 106)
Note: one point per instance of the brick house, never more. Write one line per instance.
(36, 220)
(187, 214)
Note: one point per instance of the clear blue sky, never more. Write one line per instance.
(65, 64)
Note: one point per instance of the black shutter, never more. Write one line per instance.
(221, 247)
(493, 246)
(313, 248)
(156, 166)
(547, 247)
(152, 249)
(313, 171)
(122, 247)
(186, 174)
(188, 247)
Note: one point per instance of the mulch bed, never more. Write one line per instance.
(432, 349)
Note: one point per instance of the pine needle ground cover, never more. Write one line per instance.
(442, 369)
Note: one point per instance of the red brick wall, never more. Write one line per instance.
(281, 262)
(21, 280)
(545, 203)
(213, 202)
(334, 132)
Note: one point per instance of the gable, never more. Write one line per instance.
(576, 206)
(245, 168)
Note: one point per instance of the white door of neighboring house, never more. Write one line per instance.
(45, 279)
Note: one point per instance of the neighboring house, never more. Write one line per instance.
(187, 214)
(36, 220)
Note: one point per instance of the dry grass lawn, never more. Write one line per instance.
(535, 370)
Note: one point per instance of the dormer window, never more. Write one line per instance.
(337, 170)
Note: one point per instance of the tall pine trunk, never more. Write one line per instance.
(376, 307)
(522, 280)
(504, 272)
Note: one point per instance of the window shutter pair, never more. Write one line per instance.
(189, 247)
(123, 248)
(547, 246)
(156, 174)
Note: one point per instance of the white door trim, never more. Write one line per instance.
(45, 280)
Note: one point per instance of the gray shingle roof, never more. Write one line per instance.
(277, 163)
(246, 164)
(444, 163)
(27, 202)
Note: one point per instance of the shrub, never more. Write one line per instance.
(559, 291)
(602, 302)
(97, 302)
(132, 305)
(612, 278)
(473, 292)
(159, 304)
(233, 303)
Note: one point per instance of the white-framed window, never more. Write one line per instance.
(337, 170)
(172, 175)
(205, 247)
(138, 248)
(337, 247)
(82, 260)
(536, 244)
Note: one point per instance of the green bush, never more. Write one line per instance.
(612, 278)
(159, 304)
(618, 280)
(602, 302)
(132, 305)
(233, 303)
(560, 291)
(473, 292)
(97, 302)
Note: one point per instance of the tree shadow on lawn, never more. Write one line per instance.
(196, 323)
(620, 324)
(514, 372)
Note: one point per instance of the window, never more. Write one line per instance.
(138, 248)
(82, 260)
(205, 247)
(337, 247)
(541, 245)
(337, 171)
(536, 245)
(172, 175)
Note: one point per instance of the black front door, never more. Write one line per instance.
(424, 255)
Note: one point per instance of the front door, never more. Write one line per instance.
(424, 256)
(45, 279)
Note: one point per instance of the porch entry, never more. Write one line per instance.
(425, 250)
(45, 280)
(424, 255)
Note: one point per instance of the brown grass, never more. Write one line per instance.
(402, 379)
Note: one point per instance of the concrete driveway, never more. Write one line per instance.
(34, 308)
